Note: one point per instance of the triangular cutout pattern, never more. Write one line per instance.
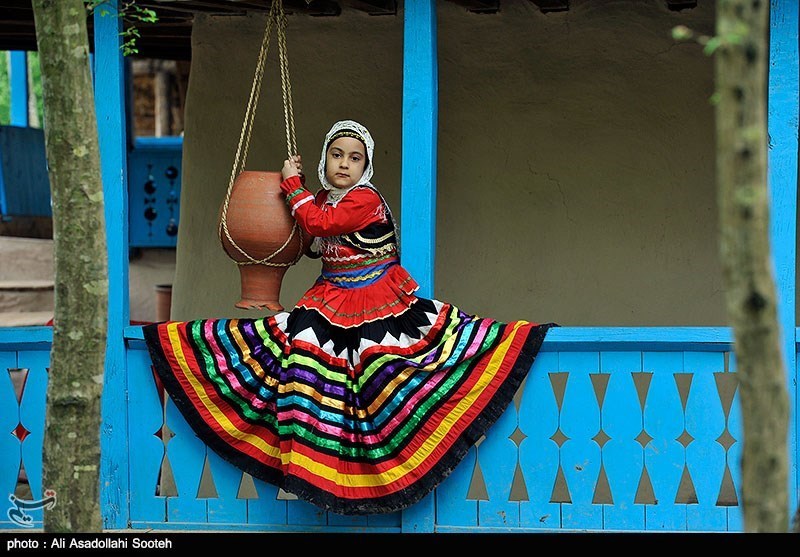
(166, 481)
(519, 489)
(22, 490)
(600, 386)
(19, 377)
(602, 490)
(247, 488)
(207, 488)
(641, 380)
(727, 492)
(683, 381)
(727, 384)
(284, 495)
(477, 485)
(644, 491)
(558, 382)
(687, 494)
(560, 492)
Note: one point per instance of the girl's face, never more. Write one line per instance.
(344, 162)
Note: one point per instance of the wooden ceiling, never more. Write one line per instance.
(169, 37)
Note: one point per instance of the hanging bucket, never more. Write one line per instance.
(262, 237)
(256, 228)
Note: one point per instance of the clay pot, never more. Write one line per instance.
(260, 223)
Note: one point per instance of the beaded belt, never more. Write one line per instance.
(359, 273)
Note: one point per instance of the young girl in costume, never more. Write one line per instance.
(364, 396)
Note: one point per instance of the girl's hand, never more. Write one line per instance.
(292, 166)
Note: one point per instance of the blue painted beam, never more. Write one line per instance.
(783, 152)
(604, 338)
(26, 338)
(420, 119)
(18, 77)
(418, 176)
(166, 143)
(109, 72)
(717, 339)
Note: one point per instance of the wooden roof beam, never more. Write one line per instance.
(480, 6)
(315, 8)
(546, 6)
(678, 5)
(207, 6)
(375, 7)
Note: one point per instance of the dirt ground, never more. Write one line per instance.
(28, 260)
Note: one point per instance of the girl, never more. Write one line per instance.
(364, 396)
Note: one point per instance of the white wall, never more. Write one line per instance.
(575, 162)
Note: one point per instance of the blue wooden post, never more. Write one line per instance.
(420, 118)
(418, 186)
(110, 106)
(18, 76)
(783, 129)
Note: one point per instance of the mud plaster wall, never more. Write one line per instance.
(575, 161)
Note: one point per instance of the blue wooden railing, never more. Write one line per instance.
(614, 430)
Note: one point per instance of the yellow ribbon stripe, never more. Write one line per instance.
(202, 396)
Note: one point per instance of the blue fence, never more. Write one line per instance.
(613, 430)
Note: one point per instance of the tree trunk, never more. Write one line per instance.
(741, 77)
(72, 426)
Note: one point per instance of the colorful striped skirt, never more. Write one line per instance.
(358, 420)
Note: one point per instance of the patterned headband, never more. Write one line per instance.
(347, 133)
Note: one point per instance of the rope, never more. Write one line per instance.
(286, 86)
(276, 17)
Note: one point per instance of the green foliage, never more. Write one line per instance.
(732, 35)
(34, 81)
(36, 87)
(132, 15)
(5, 91)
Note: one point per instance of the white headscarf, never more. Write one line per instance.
(336, 194)
(361, 133)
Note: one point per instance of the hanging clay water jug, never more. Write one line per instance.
(260, 225)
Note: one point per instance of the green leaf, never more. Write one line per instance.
(712, 45)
